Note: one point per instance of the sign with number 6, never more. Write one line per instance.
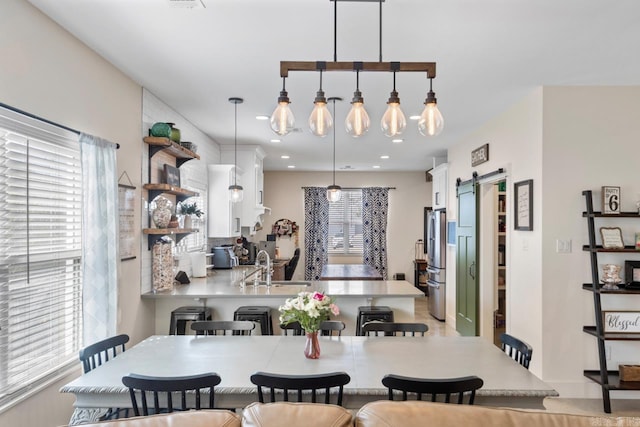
(611, 200)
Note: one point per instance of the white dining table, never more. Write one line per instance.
(365, 359)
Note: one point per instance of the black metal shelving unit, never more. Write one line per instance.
(608, 380)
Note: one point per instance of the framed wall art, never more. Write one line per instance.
(632, 273)
(171, 175)
(523, 205)
(611, 237)
(610, 200)
(625, 322)
(126, 217)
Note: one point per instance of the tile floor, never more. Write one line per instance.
(620, 407)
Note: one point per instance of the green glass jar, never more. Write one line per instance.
(175, 133)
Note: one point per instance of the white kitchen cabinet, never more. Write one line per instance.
(250, 159)
(439, 185)
(223, 214)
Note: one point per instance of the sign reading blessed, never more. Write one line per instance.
(622, 321)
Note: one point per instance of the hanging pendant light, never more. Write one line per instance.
(320, 120)
(431, 122)
(282, 120)
(393, 121)
(235, 190)
(334, 192)
(357, 122)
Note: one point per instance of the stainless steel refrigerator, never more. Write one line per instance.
(436, 261)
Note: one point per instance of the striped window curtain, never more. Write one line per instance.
(375, 205)
(99, 238)
(316, 231)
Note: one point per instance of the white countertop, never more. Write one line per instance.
(225, 283)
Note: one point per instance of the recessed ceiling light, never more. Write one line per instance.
(414, 117)
(285, 157)
(262, 117)
(274, 140)
(397, 141)
(376, 166)
(291, 166)
(384, 157)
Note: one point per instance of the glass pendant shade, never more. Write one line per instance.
(431, 122)
(334, 193)
(393, 121)
(320, 120)
(282, 120)
(357, 121)
(235, 193)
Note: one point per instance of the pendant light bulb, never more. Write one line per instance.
(282, 120)
(334, 193)
(357, 122)
(320, 120)
(235, 190)
(431, 122)
(393, 121)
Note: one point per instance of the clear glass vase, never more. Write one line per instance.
(312, 346)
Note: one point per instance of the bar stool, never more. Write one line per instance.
(181, 315)
(367, 313)
(256, 313)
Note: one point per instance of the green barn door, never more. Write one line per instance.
(466, 261)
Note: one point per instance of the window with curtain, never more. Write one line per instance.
(40, 252)
(345, 224)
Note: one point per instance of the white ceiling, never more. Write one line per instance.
(489, 54)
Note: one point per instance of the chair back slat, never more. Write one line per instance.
(97, 353)
(444, 387)
(301, 384)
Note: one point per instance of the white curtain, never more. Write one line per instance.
(99, 238)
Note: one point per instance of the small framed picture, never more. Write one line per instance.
(621, 321)
(610, 200)
(611, 238)
(523, 205)
(171, 175)
(632, 273)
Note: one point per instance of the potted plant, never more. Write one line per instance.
(189, 209)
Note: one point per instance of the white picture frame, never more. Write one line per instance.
(623, 322)
(611, 238)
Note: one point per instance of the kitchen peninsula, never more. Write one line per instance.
(223, 293)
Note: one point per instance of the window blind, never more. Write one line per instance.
(40, 253)
(345, 224)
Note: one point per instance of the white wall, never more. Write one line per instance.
(49, 73)
(590, 139)
(284, 195)
(567, 139)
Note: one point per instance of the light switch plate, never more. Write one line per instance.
(563, 246)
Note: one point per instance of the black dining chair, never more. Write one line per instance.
(394, 329)
(516, 349)
(101, 352)
(290, 268)
(309, 386)
(440, 389)
(157, 393)
(222, 327)
(328, 327)
(294, 327)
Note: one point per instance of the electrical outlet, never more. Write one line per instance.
(563, 246)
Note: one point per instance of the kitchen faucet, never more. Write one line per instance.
(266, 268)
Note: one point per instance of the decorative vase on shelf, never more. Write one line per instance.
(312, 346)
(162, 213)
(188, 221)
(174, 133)
(611, 276)
(161, 129)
